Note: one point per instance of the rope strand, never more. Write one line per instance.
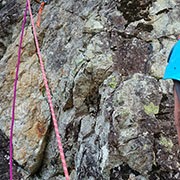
(28, 6)
(40, 13)
(49, 97)
(14, 97)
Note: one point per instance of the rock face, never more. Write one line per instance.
(4, 156)
(104, 61)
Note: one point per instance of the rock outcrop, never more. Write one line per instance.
(105, 61)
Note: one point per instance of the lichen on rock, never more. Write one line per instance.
(151, 109)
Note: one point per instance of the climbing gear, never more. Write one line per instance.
(28, 6)
(173, 68)
(42, 2)
(40, 13)
(14, 97)
(173, 72)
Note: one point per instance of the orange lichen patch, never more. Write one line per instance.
(12, 73)
(36, 132)
(40, 129)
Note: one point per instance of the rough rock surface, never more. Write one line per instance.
(4, 156)
(104, 61)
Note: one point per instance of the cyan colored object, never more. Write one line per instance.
(173, 68)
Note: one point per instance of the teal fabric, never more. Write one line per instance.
(173, 68)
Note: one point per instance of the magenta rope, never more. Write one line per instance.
(49, 97)
(14, 97)
(28, 6)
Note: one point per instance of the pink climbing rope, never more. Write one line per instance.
(49, 97)
(28, 6)
(14, 97)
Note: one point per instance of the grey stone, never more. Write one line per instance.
(104, 61)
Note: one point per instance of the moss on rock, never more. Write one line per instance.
(151, 109)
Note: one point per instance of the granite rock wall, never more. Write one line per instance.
(105, 61)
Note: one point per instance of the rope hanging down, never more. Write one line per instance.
(40, 13)
(14, 97)
(47, 93)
